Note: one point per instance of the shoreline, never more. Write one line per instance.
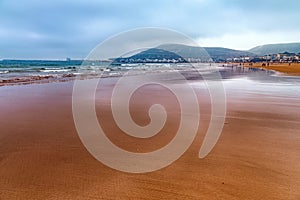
(281, 69)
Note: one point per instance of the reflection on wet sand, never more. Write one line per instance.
(257, 156)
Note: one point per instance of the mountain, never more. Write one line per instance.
(184, 52)
(276, 48)
(216, 53)
(155, 53)
(221, 54)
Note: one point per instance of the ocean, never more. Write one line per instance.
(28, 71)
(14, 72)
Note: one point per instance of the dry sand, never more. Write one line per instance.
(291, 69)
(42, 157)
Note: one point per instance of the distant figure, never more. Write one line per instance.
(263, 65)
(268, 64)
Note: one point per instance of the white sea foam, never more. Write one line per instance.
(55, 70)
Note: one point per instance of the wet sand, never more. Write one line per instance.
(42, 157)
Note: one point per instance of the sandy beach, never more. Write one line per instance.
(285, 68)
(42, 157)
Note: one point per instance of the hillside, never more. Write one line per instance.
(276, 48)
(177, 51)
(216, 53)
(155, 53)
(220, 54)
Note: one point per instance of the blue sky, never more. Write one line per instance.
(67, 28)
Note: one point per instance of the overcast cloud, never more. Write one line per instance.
(64, 28)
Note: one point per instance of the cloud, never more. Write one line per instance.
(65, 28)
(247, 40)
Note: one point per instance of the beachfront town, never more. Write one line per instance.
(285, 57)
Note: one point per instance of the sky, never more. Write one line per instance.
(35, 29)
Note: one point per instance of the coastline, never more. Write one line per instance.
(280, 68)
